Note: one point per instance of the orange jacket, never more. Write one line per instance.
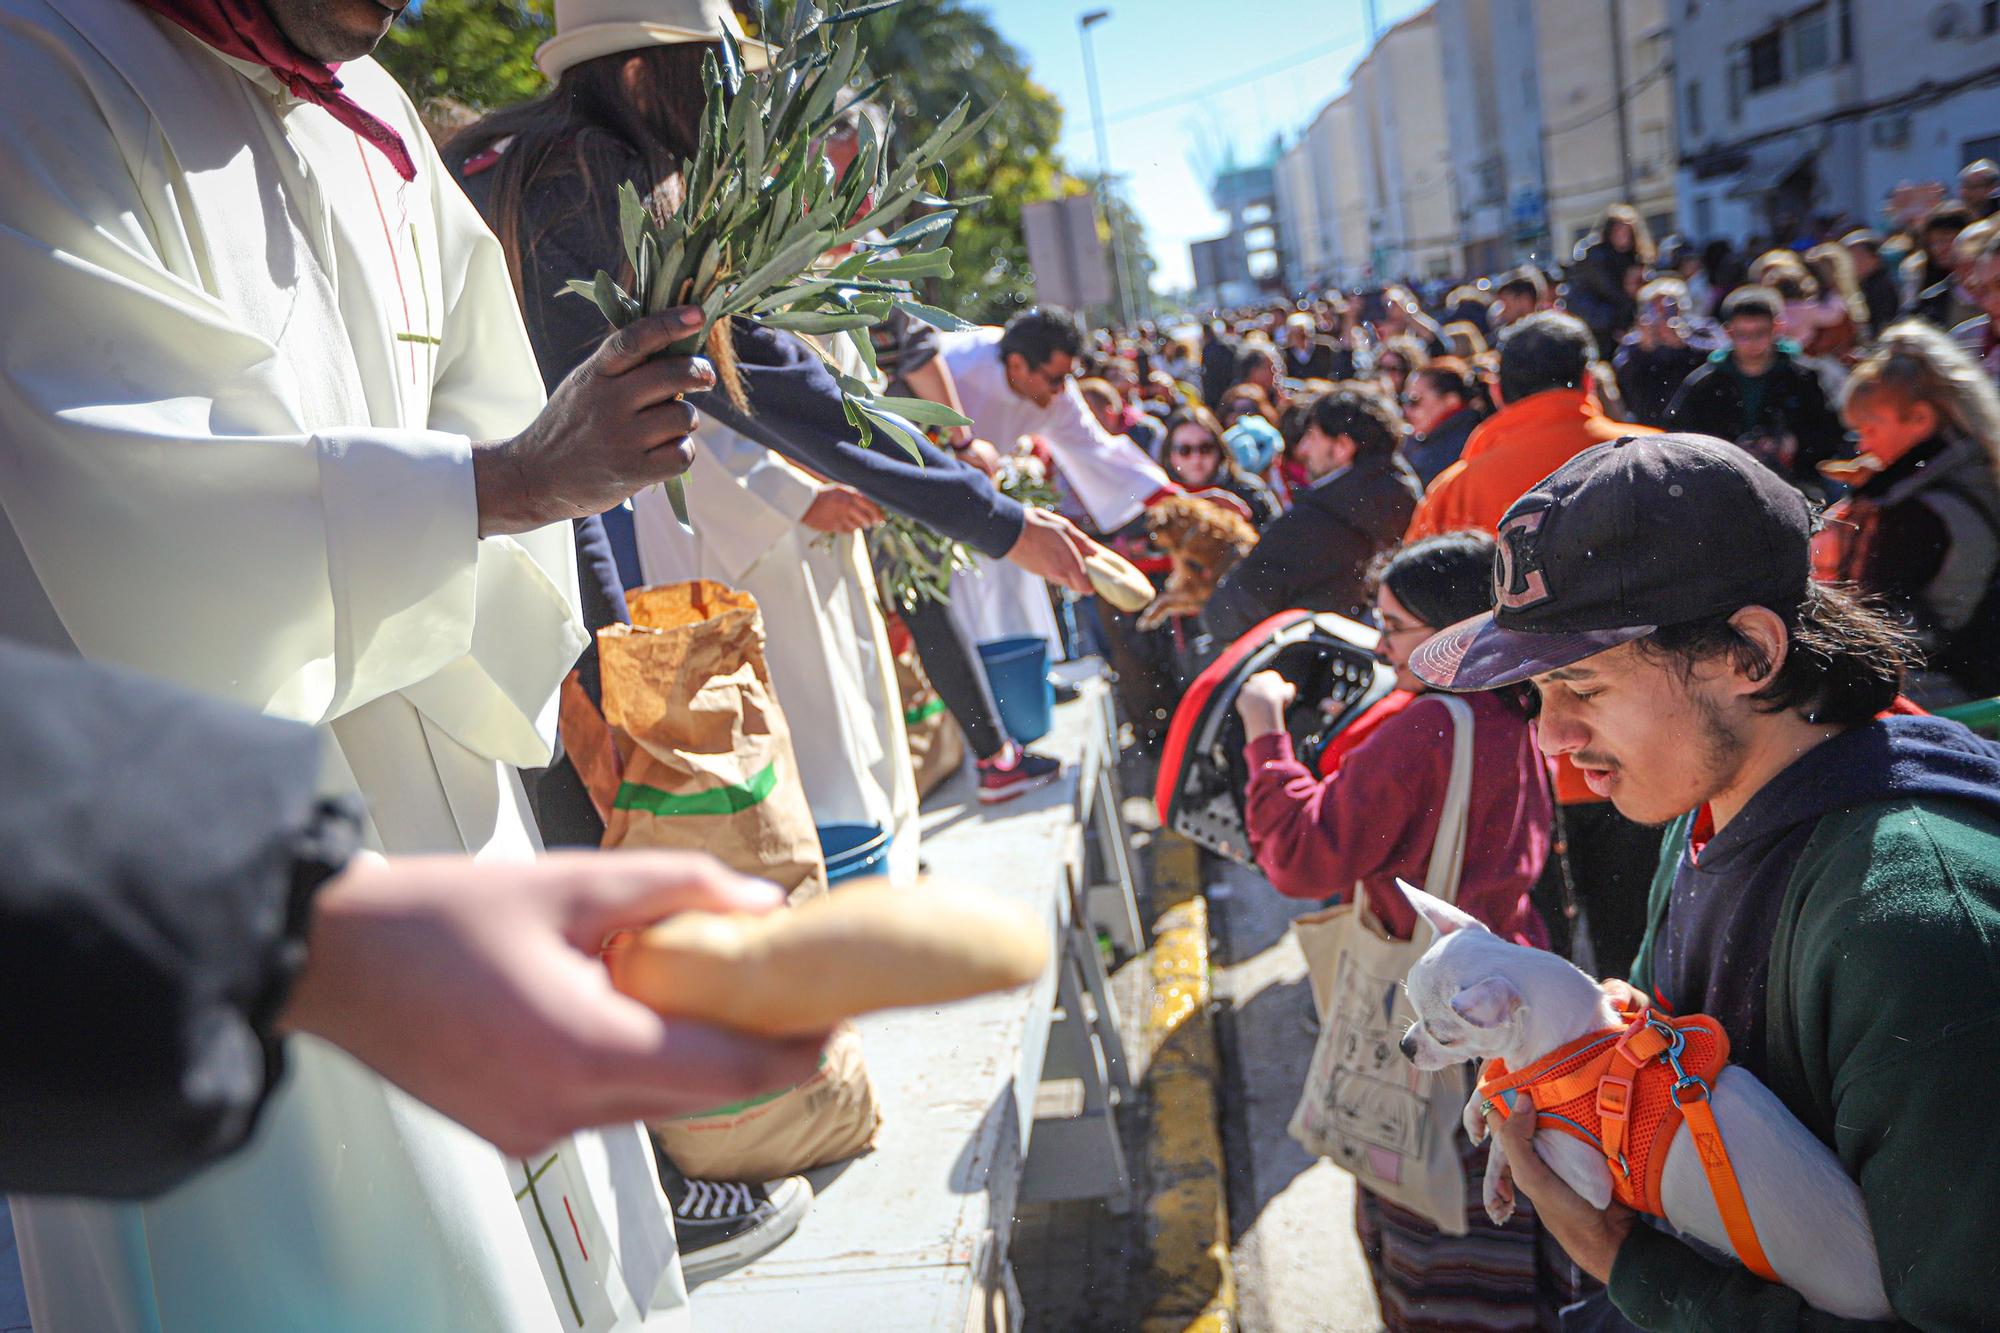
(1508, 453)
(1503, 459)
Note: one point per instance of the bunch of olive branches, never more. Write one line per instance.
(761, 203)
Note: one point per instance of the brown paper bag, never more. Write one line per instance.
(708, 766)
(937, 746)
(708, 755)
(828, 1118)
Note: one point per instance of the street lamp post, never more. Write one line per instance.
(1085, 23)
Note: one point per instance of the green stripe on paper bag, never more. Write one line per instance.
(715, 801)
(923, 712)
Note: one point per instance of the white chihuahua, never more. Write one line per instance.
(1478, 997)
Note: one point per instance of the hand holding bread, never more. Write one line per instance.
(862, 948)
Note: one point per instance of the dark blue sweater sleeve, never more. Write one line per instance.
(794, 401)
(795, 410)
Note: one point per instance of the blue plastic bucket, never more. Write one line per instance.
(853, 850)
(1018, 670)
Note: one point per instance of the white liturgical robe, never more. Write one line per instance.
(240, 371)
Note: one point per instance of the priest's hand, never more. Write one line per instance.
(479, 989)
(1051, 547)
(617, 425)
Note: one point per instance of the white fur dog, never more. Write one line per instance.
(1478, 997)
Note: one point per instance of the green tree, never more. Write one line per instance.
(934, 52)
(477, 52)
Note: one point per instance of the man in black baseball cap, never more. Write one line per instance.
(1829, 887)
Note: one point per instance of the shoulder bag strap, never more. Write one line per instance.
(1447, 865)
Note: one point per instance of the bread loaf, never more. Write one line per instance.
(861, 948)
(1118, 581)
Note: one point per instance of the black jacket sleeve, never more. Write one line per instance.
(158, 856)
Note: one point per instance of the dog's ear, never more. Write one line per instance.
(1487, 1004)
(1444, 918)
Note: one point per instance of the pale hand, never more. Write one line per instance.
(1053, 548)
(1591, 1237)
(982, 455)
(1262, 702)
(1624, 994)
(617, 425)
(479, 990)
(840, 509)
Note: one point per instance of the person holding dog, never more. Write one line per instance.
(1829, 887)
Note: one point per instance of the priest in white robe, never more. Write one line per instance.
(253, 338)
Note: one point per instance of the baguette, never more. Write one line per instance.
(1118, 581)
(861, 948)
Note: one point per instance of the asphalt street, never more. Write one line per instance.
(1299, 1267)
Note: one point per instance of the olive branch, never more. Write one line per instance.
(760, 204)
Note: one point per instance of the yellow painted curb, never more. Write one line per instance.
(1187, 1215)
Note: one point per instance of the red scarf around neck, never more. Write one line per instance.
(245, 30)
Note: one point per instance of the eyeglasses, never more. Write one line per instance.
(1193, 450)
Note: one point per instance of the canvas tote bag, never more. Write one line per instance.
(1365, 1107)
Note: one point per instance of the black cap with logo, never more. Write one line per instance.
(1645, 531)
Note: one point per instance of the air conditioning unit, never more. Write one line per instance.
(1891, 130)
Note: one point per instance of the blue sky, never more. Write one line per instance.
(1155, 56)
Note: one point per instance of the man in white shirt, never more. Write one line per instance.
(274, 431)
(1020, 380)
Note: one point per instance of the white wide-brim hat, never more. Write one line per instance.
(587, 29)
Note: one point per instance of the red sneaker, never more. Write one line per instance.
(1002, 780)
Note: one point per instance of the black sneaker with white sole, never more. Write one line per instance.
(723, 1226)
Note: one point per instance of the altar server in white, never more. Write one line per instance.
(272, 429)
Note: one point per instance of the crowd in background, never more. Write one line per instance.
(1760, 345)
(1377, 437)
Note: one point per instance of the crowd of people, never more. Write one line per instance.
(1382, 439)
(1703, 534)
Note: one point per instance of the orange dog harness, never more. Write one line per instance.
(1625, 1092)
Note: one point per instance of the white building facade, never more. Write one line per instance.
(1797, 116)
(1606, 75)
(1404, 135)
(1493, 108)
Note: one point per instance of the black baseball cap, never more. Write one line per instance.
(1645, 531)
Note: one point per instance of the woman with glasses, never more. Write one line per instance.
(1198, 459)
(1368, 816)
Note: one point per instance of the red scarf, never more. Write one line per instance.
(245, 30)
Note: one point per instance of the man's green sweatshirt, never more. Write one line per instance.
(1882, 1034)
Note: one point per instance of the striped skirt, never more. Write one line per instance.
(1506, 1279)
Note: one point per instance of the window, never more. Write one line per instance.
(1737, 78)
(1694, 122)
(1704, 217)
(1261, 238)
(1766, 58)
(1812, 41)
(1257, 213)
(1989, 18)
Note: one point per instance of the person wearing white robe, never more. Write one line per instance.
(242, 371)
(1111, 477)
